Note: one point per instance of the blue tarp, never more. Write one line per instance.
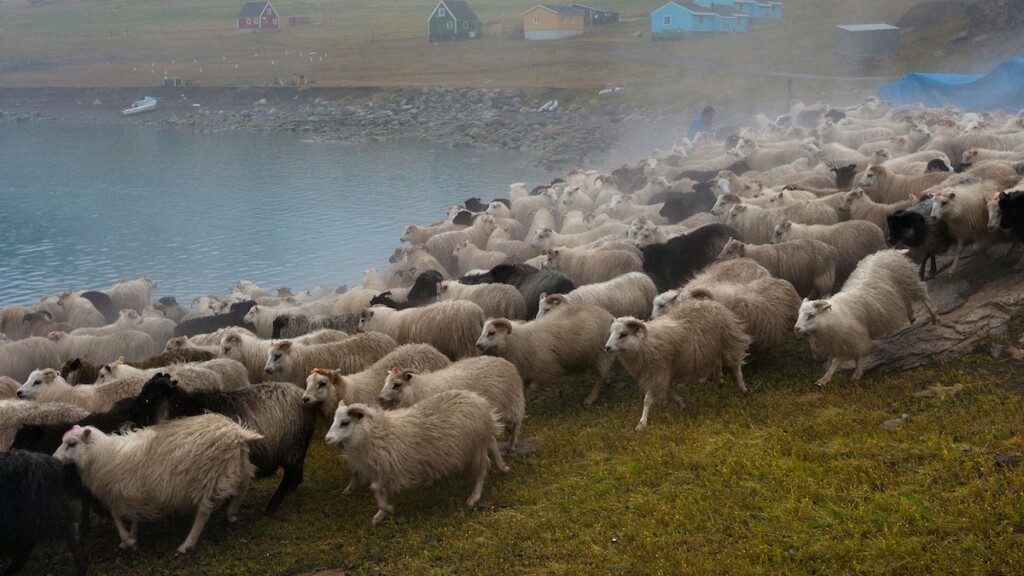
(1002, 87)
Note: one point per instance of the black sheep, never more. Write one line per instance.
(924, 235)
(274, 409)
(1011, 212)
(45, 439)
(104, 304)
(844, 175)
(235, 316)
(475, 205)
(464, 218)
(33, 509)
(706, 175)
(423, 292)
(302, 324)
(936, 165)
(679, 208)
(679, 259)
(530, 282)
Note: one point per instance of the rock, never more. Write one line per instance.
(998, 351)
(896, 423)
(939, 391)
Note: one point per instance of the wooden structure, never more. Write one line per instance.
(258, 17)
(677, 19)
(546, 22)
(867, 41)
(453, 20)
(596, 16)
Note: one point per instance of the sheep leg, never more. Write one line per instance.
(737, 372)
(832, 367)
(648, 401)
(932, 311)
(514, 430)
(383, 508)
(353, 483)
(482, 464)
(676, 399)
(858, 370)
(956, 258)
(202, 515)
(127, 540)
(602, 369)
(77, 552)
(492, 447)
(289, 483)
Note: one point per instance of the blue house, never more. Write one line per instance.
(752, 8)
(678, 18)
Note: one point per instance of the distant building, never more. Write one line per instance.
(752, 8)
(676, 19)
(453, 20)
(544, 22)
(258, 17)
(596, 16)
(867, 41)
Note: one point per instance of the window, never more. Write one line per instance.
(451, 25)
(666, 20)
(700, 19)
(536, 19)
(440, 11)
(465, 25)
(572, 19)
(565, 19)
(275, 21)
(248, 21)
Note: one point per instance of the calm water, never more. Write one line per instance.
(82, 206)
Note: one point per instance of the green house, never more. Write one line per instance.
(453, 20)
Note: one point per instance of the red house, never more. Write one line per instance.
(257, 17)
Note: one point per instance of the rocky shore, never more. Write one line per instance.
(571, 134)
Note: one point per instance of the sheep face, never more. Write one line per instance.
(995, 215)
(663, 303)
(317, 384)
(723, 204)
(278, 357)
(231, 347)
(460, 247)
(732, 249)
(492, 337)
(347, 422)
(872, 176)
(176, 343)
(250, 316)
(943, 204)
(395, 385)
(645, 237)
(133, 317)
(627, 333)
(37, 380)
(548, 303)
(781, 232)
(808, 318)
(74, 444)
(364, 319)
(542, 238)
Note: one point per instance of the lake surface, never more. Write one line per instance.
(84, 205)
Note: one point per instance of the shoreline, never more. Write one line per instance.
(600, 129)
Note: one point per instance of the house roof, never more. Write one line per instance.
(866, 27)
(575, 4)
(252, 9)
(713, 10)
(566, 10)
(460, 10)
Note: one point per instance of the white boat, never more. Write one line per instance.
(145, 105)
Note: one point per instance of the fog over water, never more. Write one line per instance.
(83, 205)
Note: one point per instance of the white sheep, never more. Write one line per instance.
(398, 449)
(46, 385)
(179, 465)
(567, 340)
(251, 352)
(756, 224)
(451, 327)
(131, 294)
(442, 245)
(496, 300)
(418, 235)
(8, 387)
(216, 374)
(127, 319)
(852, 240)
(547, 238)
(876, 300)
(809, 265)
(495, 379)
(133, 345)
(501, 240)
(860, 206)
(80, 313)
(964, 209)
(885, 186)
(19, 358)
(186, 343)
(627, 295)
(468, 256)
(325, 388)
(539, 220)
(288, 361)
(691, 344)
(592, 266)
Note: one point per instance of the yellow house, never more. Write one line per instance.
(544, 22)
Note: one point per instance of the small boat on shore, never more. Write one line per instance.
(145, 105)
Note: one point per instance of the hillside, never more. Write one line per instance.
(365, 43)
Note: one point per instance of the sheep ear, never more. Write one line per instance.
(408, 374)
(284, 344)
(357, 412)
(86, 433)
(75, 364)
(543, 295)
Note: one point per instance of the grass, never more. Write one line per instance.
(368, 43)
(785, 481)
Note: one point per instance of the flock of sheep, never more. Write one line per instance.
(690, 262)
